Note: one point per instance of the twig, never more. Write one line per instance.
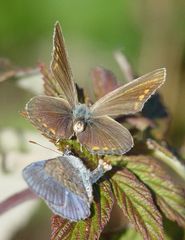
(16, 199)
(124, 65)
(167, 157)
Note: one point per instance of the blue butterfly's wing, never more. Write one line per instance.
(42, 184)
(74, 209)
(54, 181)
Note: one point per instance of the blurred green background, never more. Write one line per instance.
(151, 34)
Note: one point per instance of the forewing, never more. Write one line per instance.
(52, 116)
(75, 208)
(131, 97)
(103, 135)
(51, 86)
(61, 68)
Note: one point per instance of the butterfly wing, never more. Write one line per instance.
(51, 86)
(75, 208)
(61, 68)
(103, 135)
(130, 98)
(62, 188)
(43, 184)
(43, 178)
(52, 116)
(55, 177)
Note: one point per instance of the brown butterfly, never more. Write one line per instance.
(94, 126)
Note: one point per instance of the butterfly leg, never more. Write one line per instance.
(97, 173)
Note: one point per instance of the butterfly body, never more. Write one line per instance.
(81, 117)
(82, 112)
(65, 184)
(94, 127)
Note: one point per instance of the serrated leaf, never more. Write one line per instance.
(169, 195)
(60, 227)
(137, 204)
(91, 228)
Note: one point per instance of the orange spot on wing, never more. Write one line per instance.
(146, 91)
(52, 130)
(141, 97)
(95, 148)
(105, 148)
(44, 125)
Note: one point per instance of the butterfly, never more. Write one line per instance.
(65, 184)
(93, 126)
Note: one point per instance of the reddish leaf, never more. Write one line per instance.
(169, 195)
(136, 202)
(91, 228)
(104, 81)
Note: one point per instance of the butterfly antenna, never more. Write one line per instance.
(33, 142)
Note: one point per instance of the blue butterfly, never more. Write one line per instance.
(65, 184)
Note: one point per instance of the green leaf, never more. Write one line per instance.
(169, 195)
(91, 228)
(172, 230)
(168, 158)
(136, 202)
(129, 234)
(78, 150)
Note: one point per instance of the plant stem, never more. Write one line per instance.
(167, 157)
(16, 199)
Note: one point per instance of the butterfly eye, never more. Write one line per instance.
(79, 126)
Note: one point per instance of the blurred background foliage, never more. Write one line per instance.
(150, 33)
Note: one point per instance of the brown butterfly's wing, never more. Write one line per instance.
(103, 135)
(131, 97)
(51, 86)
(52, 116)
(61, 69)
